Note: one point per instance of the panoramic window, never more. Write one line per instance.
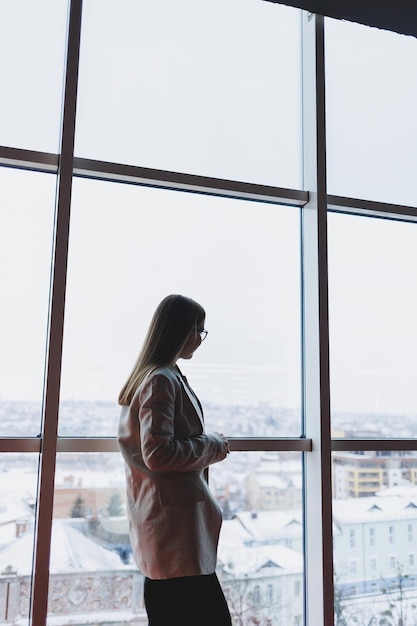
(148, 149)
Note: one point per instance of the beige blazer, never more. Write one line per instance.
(174, 520)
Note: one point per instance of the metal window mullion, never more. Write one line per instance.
(316, 392)
(180, 181)
(31, 160)
(43, 530)
(238, 444)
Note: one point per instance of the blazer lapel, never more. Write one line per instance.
(190, 393)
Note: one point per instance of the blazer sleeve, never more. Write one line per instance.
(162, 450)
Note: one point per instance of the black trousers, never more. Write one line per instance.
(186, 601)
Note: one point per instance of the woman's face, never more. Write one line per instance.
(192, 343)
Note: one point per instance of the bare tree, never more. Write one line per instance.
(347, 612)
(398, 612)
(246, 610)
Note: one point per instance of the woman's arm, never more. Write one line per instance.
(161, 450)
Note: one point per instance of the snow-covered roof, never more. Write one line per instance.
(374, 508)
(251, 561)
(12, 511)
(272, 481)
(404, 489)
(271, 525)
(18, 482)
(71, 551)
(233, 534)
(89, 478)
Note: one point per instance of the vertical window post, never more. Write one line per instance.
(44, 512)
(316, 391)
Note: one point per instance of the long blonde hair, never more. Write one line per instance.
(175, 317)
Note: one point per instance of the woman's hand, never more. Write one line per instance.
(226, 442)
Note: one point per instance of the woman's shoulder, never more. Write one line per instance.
(163, 377)
(161, 374)
(165, 370)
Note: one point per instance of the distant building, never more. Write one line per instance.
(358, 475)
(374, 540)
(94, 498)
(88, 583)
(260, 563)
(273, 528)
(262, 580)
(274, 485)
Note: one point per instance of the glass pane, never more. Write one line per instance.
(210, 88)
(132, 246)
(17, 510)
(26, 224)
(375, 537)
(91, 572)
(260, 562)
(373, 335)
(260, 557)
(371, 95)
(32, 49)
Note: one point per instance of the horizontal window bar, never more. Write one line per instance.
(370, 208)
(72, 444)
(240, 444)
(20, 444)
(109, 444)
(373, 444)
(29, 160)
(237, 444)
(116, 172)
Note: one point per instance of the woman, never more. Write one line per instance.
(174, 521)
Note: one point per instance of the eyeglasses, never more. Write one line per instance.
(203, 333)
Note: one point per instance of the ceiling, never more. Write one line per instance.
(399, 16)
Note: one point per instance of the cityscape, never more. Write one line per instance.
(93, 577)
(80, 418)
